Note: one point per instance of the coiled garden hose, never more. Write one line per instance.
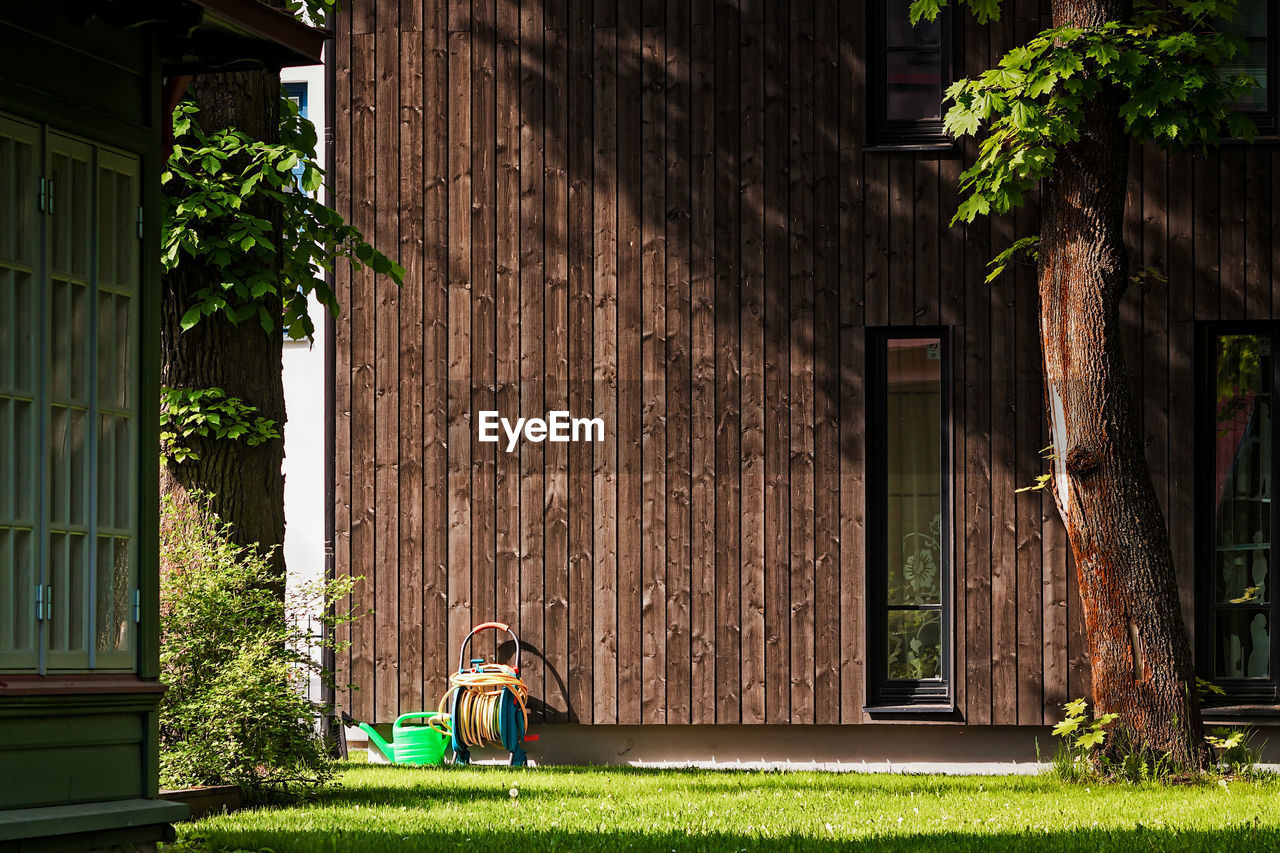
(486, 704)
(479, 718)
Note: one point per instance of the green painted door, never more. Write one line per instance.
(69, 273)
(20, 372)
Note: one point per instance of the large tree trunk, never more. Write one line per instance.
(1139, 653)
(246, 482)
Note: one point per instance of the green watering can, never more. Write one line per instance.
(414, 744)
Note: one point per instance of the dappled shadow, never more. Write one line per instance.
(696, 174)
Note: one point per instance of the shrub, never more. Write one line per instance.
(1080, 756)
(1080, 739)
(235, 662)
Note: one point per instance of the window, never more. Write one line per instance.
(908, 534)
(1254, 23)
(1237, 606)
(297, 92)
(908, 74)
(69, 272)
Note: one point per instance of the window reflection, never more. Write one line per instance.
(914, 507)
(912, 66)
(1243, 495)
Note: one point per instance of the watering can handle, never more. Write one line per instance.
(411, 715)
(497, 626)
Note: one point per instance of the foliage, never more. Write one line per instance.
(1023, 250)
(1081, 757)
(1080, 741)
(1043, 481)
(379, 808)
(314, 12)
(233, 656)
(211, 184)
(1163, 64)
(207, 413)
(1237, 751)
(1239, 376)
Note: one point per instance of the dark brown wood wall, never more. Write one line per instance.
(662, 214)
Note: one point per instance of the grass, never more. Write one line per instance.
(384, 808)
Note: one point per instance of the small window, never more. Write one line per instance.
(908, 534)
(908, 75)
(1237, 605)
(297, 92)
(1254, 23)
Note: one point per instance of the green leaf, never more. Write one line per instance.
(190, 318)
(1090, 739)
(1066, 727)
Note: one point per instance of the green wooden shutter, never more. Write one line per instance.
(69, 303)
(20, 361)
(119, 268)
(70, 270)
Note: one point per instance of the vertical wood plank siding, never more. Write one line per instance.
(662, 213)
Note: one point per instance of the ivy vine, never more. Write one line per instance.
(187, 413)
(209, 184)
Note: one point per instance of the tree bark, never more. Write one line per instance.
(1140, 657)
(246, 483)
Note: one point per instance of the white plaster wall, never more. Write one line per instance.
(304, 431)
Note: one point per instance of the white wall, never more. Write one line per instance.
(304, 432)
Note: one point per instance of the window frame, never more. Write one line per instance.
(888, 134)
(1246, 690)
(885, 695)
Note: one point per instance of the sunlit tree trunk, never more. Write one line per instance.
(1139, 653)
(246, 482)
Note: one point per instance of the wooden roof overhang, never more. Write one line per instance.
(198, 36)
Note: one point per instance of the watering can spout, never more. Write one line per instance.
(387, 749)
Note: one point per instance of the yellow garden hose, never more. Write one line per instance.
(478, 717)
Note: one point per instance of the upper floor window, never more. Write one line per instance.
(908, 74)
(908, 555)
(1254, 23)
(1235, 624)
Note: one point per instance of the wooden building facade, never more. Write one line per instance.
(684, 218)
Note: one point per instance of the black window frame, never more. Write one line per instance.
(916, 134)
(885, 695)
(1237, 691)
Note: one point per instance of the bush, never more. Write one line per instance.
(1080, 739)
(1080, 756)
(235, 663)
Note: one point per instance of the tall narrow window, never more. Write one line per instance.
(70, 266)
(908, 563)
(1237, 612)
(907, 75)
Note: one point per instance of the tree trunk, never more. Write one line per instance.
(1139, 654)
(247, 483)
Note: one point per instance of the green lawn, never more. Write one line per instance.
(381, 808)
